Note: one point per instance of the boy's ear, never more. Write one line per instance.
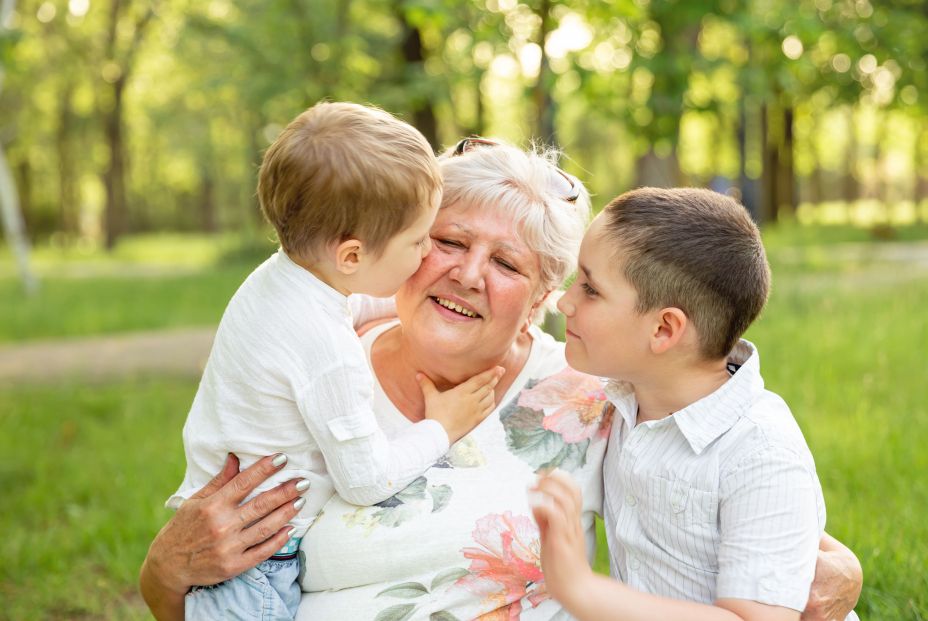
(670, 325)
(348, 256)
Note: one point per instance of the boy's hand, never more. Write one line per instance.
(556, 503)
(463, 407)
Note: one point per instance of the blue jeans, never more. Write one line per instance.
(268, 592)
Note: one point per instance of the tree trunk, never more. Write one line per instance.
(654, 171)
(748, 186)
(67, 177)
(207, 202)
(544, 103)
(10, 212)
(786, 174)
(114, 178)
(851, 186)
(771, 165)
(413, 54)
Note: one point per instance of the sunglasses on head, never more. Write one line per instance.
(473, 142)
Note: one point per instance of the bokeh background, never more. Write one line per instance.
(130, 136)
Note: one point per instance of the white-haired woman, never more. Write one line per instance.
(459, 542)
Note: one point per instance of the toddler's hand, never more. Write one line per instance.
(463, 407)
(556, 503)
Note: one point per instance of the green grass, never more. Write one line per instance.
(85, 468)
(84, 471)
(147, 283)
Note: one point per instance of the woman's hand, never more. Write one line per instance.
(214, 537)
(837, 583)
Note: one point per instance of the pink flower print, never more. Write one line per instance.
(506, 565)
(572, 403)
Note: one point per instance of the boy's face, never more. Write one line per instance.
(382, 276)
(605, 335)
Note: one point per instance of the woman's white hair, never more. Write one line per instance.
(526, 186)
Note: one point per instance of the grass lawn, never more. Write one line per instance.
(85, 468)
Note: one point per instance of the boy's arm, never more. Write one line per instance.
(366, 467)
(556, 504)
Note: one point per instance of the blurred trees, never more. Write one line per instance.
(131, 115)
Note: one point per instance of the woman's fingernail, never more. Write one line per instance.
(291, 533)
(279, 460)
(299, 503)
(303, 485)
(536, 499)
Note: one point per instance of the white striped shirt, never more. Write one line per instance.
(719, 500)
(287, 373)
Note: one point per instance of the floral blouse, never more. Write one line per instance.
(460, 542)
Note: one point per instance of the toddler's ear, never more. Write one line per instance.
(670, 325)
(348, 256)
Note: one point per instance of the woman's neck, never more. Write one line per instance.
(396, 358)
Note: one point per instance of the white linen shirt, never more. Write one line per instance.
(287, 374)
(718, 500)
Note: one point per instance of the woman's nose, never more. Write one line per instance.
(469, 272)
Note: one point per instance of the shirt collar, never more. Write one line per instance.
(704, 421)
(332, 300)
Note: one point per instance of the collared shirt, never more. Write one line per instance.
(287, 374)
(718, 500)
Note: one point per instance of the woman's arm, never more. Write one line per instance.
(213, 537)
(838, 580)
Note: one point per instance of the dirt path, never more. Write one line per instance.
(183, 352)
(167, 352)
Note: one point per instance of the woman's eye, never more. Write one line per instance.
(449, 242)
(506, 265)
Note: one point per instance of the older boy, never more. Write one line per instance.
(713, 508)
(352, 193)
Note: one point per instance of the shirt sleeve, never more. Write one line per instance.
(366, 467)
(770, 529)
(365, 308)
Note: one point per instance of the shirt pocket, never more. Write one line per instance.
(683, 522)
(355, 453)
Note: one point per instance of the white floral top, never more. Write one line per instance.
(460, 542)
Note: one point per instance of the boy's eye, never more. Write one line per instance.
(587, 289)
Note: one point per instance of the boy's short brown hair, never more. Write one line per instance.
(342, 170)
(696, 250)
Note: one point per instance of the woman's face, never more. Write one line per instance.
(475, 291)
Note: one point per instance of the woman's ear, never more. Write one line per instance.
(670, 325)
(348, 256)
(532, 311)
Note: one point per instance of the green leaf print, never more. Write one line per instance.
(441, 494)
(530, 441)
(400, 612)
(449, 575)
(406, 590)
(442, 615)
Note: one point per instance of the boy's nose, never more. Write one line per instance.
(426, 247)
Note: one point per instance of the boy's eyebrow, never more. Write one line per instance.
(589, 277)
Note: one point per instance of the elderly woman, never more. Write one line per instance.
(459, 542)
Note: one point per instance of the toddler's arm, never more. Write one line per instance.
(556, 505)
(366, 467)
(365, 308)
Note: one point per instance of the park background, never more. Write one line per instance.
(130, 136)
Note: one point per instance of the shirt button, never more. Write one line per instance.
(630, 500)
(634, 563)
